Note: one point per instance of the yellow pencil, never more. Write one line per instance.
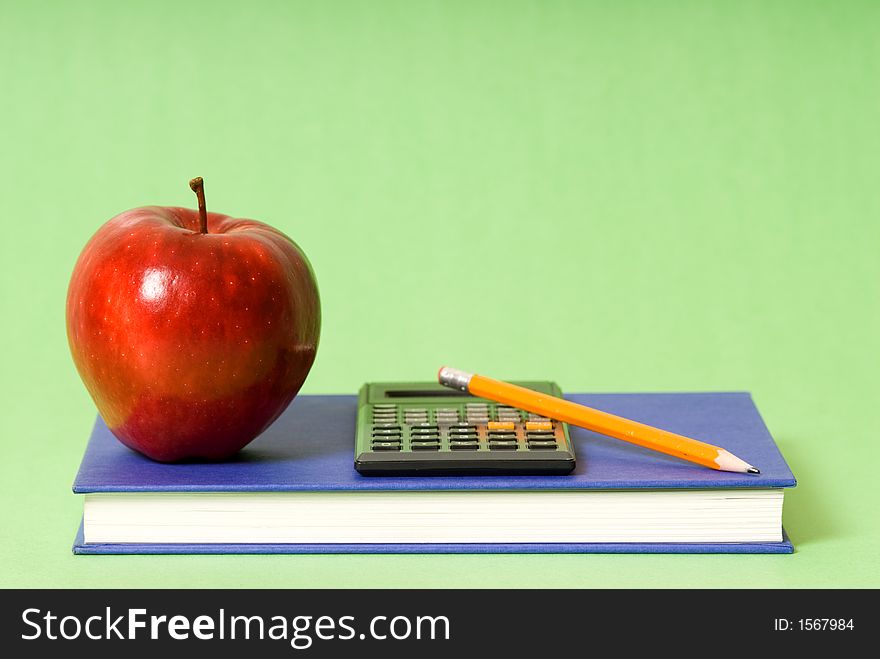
(600, 422)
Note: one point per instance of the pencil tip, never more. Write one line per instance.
(753, 470)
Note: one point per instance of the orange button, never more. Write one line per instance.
(500, 425)
(539, 425)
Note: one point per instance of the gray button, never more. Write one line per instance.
(425, 446)
(464, 446)
(418, 439)
(542, 445)
(502, 446)
(386, 446)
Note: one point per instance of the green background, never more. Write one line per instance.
(620, 196)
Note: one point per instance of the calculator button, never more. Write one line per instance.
(464, 446)
(385, 431)
(539, 425)
(501, 434)
(386, 446)
(542, 445)
(500, 425)
(425, 427)
(502, 446)
(426, 446)
(416, 439)
(540, 434)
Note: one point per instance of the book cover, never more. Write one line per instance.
(311, 448)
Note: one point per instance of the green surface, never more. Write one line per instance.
(620, 196)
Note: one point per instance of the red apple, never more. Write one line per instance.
(192, 331)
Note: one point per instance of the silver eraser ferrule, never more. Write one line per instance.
(453, 378)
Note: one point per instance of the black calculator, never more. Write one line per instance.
(424, 428)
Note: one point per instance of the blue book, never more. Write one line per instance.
(620, 498)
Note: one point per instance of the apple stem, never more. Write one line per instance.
(197, 185)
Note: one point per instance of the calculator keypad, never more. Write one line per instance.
(422, 428)
(471, 427)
